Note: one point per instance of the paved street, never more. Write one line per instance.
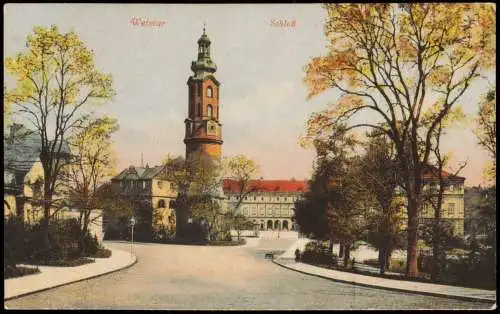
(192, 277)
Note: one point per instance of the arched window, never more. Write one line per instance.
(161, 204)
(270, 224)
(276, 224)
(285, 224)
(209, 111)
(209, 92)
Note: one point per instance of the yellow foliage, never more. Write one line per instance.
(56, 64)
(242, 168)
(490, 171)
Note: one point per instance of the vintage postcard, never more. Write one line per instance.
(250, 156)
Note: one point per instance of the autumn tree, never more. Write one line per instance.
(395, 61)
(93, 163)
(242, 170)
(56, 83)
(486, 131)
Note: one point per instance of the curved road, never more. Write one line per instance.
(194, 277)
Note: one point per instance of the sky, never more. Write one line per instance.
(259, 64)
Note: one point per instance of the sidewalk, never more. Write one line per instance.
(461, 293)
(51, 277)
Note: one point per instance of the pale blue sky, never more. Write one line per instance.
(263, 98)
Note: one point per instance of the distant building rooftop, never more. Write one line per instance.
(290, 186)
(139, 173)
(22, 149)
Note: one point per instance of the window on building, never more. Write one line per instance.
(160, 184)
(199, 110)
(285, 199)
(143, 184)
(209, 92)
(278, 198)
(246, 197)
(210, 109)
(451, 209)
(262, 198)
(452, 187)
(161, 204)
(254, 198)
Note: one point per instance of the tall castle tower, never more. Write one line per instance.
(203, 129)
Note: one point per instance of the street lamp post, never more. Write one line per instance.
(132, 223)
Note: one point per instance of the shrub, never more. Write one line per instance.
(14, 242)
(372, 262)
(68, 263)
(26, 243)
(101, 253)
(194, 233)
(318, 253)
(18, 271)
(398, 266)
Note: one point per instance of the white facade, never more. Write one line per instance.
(268, 210)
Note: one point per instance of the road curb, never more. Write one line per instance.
(71, 282)
(457, 297)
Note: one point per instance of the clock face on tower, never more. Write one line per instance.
(211, 127)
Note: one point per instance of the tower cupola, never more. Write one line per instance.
(204, 65)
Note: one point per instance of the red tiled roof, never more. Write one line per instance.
(432, 173)
(267, 186)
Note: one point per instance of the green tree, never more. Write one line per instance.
(336, 199)
(380, 178)
(395, 61)
(242, 170)
(93, 163)
(56, 82)
(197, 181)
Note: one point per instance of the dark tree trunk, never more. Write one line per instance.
(347, 255)
(382, 258)
(341, 250)
(412, 254)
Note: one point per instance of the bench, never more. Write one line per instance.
(269, 256)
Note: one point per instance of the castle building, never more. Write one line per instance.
(270, 204)
(153, 197)
(452, 205)
(24, 175)
(203, 127)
